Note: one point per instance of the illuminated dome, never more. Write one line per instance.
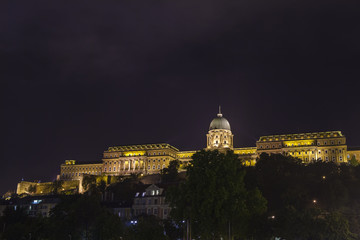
(219, 123)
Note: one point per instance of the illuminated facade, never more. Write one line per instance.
(151, 158)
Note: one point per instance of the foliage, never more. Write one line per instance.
(353, 161)
(83, 217)
(147, 227)
(214, 195)
(170, 173)
(55, 187)
(312, 197)
(32, 188)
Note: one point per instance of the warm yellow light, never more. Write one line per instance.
(134, 153)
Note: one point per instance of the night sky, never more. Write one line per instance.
(80, 76)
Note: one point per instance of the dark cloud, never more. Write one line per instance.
(79, 76)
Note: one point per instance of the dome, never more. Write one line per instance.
(219, 123)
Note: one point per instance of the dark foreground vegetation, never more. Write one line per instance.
(219, 198)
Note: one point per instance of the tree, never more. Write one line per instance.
(170, 173)
(89, 182)
(55, 187)
(353, 161)
(148, 227)
(32, 189)
(83, 217)
(214, 197)
(310, 196)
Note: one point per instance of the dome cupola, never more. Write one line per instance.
(219, 135)
(220, 122)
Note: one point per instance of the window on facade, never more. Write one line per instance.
(340, 151)
(149, 211)
(149, 201)
(333, 151)
(158, 166)
(154, 167)
(105, 169)
(155, 211)
(327, 158)
(319, 151)
(332, 142)
(114, 169)
(326, 151)
(165, 211)
(155, 201)
(148, 167)
(325, 143)
(340, 158)
(333, 158)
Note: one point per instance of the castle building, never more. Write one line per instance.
(151, 158)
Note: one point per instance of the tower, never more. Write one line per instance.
(219, 135)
